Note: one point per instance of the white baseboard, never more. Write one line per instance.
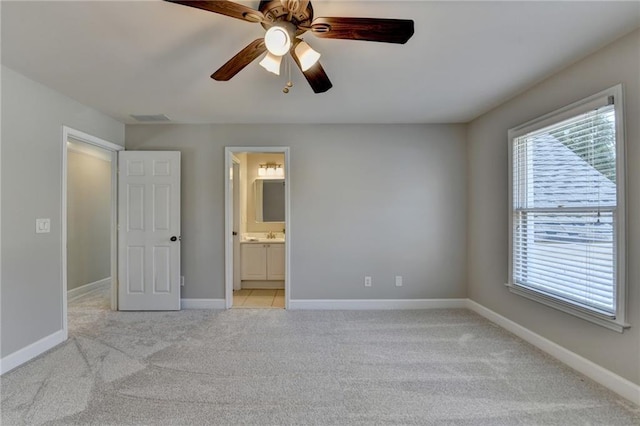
(202, 304)
(263, 285)
(606, 378)
(376, 304)
(27, 353)
(88, 288)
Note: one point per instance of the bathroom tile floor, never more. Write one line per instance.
(258, 298)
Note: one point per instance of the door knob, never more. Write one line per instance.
(174, 238)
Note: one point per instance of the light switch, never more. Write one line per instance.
(43, 226)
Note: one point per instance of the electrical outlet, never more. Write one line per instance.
(367, 281)
(181, 280)
(43, 226)
(398, 280)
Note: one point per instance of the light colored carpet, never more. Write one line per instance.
(277, 367)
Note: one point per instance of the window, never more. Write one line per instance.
(567, 210)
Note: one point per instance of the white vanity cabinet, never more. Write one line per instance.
(262, 261)
(275, 262)
(254, 261)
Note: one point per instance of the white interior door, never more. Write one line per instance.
(235, 182)
(149, 230)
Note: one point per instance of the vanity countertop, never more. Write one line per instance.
(264, 241)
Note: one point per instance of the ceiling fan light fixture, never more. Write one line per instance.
(306, 55)
(278, 40)
(284, 22)
(271, 63)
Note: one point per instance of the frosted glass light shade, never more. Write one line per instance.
(271, 63)
(262, 171)
(306, 55)
(277, 40)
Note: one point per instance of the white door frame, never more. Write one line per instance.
(236, 221)
(229, 151)
(77, 135)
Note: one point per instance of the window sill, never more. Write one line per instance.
(611, 324)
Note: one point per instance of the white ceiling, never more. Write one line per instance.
(154, 57)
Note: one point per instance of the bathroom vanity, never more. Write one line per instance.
(262, 261)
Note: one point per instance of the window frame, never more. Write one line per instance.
(618, 322)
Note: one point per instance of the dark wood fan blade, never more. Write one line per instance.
(316, 77)
(241, 60)
(368, 29)
(224, 7)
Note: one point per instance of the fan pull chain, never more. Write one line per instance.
(289, 82)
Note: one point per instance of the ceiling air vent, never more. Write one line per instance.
(157, 118)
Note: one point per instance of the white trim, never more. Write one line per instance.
(87, 149)
(376, 304)
(621, 210)
(78, 136)
(262, 285)
(31, 351)
(228, 217)
(576, 108)
(606, 378)
(202, 304)
(87, 288)
(611, 324)
(0, 245)
(236, 221)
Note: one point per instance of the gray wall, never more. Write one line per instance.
(88, 219)
(32, 120)
(488, 206)
(381, 200)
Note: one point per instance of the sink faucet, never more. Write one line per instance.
(271, 235)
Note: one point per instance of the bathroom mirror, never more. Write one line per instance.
(269, 200)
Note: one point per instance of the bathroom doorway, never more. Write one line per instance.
(257, 236)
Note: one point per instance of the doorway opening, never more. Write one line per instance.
(257, 233)
(89, 219)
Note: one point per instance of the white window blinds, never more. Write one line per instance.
(564, 205)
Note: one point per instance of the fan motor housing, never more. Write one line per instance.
(274, 11)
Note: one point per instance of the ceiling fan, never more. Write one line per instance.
(286, 21)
